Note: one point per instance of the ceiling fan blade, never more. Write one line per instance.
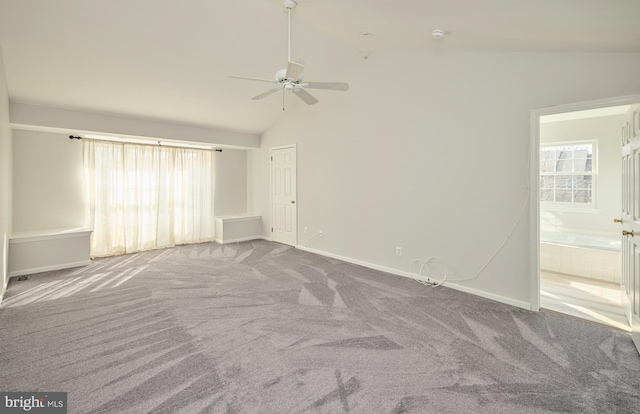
(294, 70)
(253, 79)
(305, 96)
(267, 93)
(332, 86)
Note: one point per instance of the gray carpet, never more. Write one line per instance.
(258, 327)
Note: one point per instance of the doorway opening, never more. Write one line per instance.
(578, 188)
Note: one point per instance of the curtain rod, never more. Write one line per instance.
(159, 144)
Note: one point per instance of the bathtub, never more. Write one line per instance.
(611, 244)
(593, 257)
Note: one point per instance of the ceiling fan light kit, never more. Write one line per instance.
(439, 34)
(290, 78)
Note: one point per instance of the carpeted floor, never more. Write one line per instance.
(258, 327)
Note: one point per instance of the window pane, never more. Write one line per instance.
(564, 182)
(582, 165)
(583, 182)
(582, 196)
(564, 163)
(547, 153)
(546, 181)
(564, 166)
(589, 165)
(581, 152)
(547, 159)
(547, 166)
(579, 165)
(563, 196)
(546, 195)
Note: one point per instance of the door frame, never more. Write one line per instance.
(534, 174)
(271, 212)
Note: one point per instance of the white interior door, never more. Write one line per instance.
(630, 281)
(283, 195)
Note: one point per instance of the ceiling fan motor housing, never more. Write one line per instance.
(282, 75)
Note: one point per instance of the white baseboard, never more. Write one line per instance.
(242, 239)
(452, 285)
(489, 295)
(49, 268)
(4, 271)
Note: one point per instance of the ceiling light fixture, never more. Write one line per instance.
(439, 34)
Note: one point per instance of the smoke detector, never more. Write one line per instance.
(438, 33)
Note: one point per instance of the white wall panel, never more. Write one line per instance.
(430, 152)
(48, 184)
(231, 182)
(5, 180)
(66, 120)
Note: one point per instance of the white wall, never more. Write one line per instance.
(48, 188)
(606, 130)
(231, 182)
(77, 122)
(48, 185)
(429, 151)
(5, 180)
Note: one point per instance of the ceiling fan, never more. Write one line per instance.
(291, 77)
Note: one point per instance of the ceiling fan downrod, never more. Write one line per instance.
(289, 4)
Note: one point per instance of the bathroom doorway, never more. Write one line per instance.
(579, 193)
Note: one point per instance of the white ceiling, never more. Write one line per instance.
(170, 59)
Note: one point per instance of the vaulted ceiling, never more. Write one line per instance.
(170, 60)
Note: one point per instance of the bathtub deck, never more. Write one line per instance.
(588, 299)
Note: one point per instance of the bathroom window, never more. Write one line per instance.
(567, 173)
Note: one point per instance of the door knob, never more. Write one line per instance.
(617, 221)
(627, 233)
(293, 202)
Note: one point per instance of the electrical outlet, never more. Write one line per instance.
(306, 230)
(398, 251)
(320, 233)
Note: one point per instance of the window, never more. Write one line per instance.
(146, 197)
(567, 173)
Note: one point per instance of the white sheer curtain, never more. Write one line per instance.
(144, 197)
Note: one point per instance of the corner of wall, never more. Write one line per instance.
(5, 180)
(5, 263)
